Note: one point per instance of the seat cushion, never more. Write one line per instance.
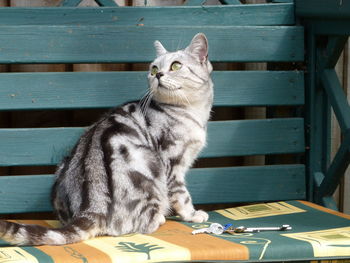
(317, 233)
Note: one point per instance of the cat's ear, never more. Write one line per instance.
(159, 48)
(199, 47)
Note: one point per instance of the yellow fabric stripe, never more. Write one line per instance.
(326, 243)
(202, 247)
(139, 248)
(259, 210)
(16, 255)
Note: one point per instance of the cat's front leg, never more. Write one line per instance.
(181, 201)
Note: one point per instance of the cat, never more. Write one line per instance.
(127, 171)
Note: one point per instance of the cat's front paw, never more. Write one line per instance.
(157, 221)
(198, 216)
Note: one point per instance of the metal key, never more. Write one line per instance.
(214, 228)
(242, 229)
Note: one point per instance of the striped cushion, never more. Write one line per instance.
(318, 233)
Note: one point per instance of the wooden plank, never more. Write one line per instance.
(255, 137)
(207, 185)
(75, 90)
(258, 88)
(234, 184)
(47, 146)
(32, 196)
(278, 14)
(107, 43)
(39, 146)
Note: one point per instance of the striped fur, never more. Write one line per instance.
(127, 172)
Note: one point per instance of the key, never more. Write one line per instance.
(214, 228)
(242, 229)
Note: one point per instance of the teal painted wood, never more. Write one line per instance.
(336, 97)
(336, 169)
(254, 137)
(194, 2)
(247, 184)
(312, 153)
(70, 2)
(331, 28)
(322, 9)
(258, 88)
(69, 90)
(90, 44)
(109, 3)
(231, 2)
(40, 146)
(318, 114)
(330, 56)
(242, 15)
(207, 185)
(329, 202)
(21, 194)
(318, 177)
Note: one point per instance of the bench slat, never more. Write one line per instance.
(255, 137)
(207, 185)
(47, 146)
(246, 184)
(108, 43)
(277, 14)
(76, 90)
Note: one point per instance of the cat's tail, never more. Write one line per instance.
(79, 229)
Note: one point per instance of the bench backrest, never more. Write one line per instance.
(236, 33)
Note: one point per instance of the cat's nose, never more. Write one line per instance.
(159, 74)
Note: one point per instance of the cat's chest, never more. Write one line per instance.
(176, 140)
(196, 134)
(174, 131)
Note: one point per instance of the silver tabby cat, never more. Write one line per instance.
(127, 172)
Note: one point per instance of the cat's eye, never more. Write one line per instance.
(176, 66)
(154, 70)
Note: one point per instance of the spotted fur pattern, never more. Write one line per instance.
(127, 172)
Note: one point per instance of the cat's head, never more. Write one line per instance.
(181, 77)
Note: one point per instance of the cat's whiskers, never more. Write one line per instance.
(142, 101)
(145, 101)
(148, 102)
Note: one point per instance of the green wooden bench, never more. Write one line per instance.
(273, 33)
